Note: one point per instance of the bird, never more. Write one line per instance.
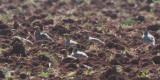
(66, 58)
(78, 54)
(70, 42)
(26, 41)
(92, 38)
(64, 52)
(40, 35)
(147, 37)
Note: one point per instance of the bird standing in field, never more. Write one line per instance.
(65, 54)
(148, 38)
(78, 54)
(86, 33)
(70, 42)
(40, 35)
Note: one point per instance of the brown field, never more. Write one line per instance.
(118, 23)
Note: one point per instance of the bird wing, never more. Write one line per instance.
(143, 37)
(46, 37)
(149, 39)
(96, 40)
(73, 42)
(82, 54)
(152, 40)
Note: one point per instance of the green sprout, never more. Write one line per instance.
(130, 43)
(91, 25)
(65, 38)
(85, 13)
(153, 1)
(1, 50)
(55, 36)
(89, 72)
(119, 68)
(70, 75)
(39, 52)
(151, 10)
(153, 62)
(27, 72)
(143, 75)
(50, 16)
(100, 73)
(21, 12)
(125, 49)
(43, 74)
(93, 47)
(128, 21)
(103, 25)
(46, 44)
(67, 27)
(8, 75)
(35, 3)
(121, 11)
(4, 17)
(16, 5)
(84, 19)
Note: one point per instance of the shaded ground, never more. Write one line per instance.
(116, 22)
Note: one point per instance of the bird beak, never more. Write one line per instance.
(74, 47)
(37, 28)
(144, 28)
(66, 36)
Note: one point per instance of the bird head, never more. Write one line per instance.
(144, 28)
(63, 52)
(16, 37)
(86, 32)
(67, 36)
(37, 28)
(75, 49)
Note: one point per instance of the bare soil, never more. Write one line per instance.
(116, 22)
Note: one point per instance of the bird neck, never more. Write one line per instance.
(68, 40)
(146, 32)
(87, 37)
(75, 51)
(38, 32)
(65, 55)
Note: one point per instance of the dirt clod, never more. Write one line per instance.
(18, 47)
(156, 59)
(23, 76)
(117, 23)
(2, 74)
